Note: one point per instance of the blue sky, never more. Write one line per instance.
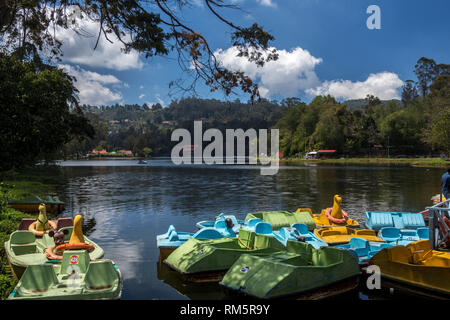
(325, 47)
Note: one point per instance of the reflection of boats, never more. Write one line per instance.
(76, 278)
(334, 216)
(363, 249)
(24, 248)
(142, 162)
(298, 270)
(31, 204)
(194, 291)
(280, 219)
(403, 237)
(416, 265)
(208, 260)
(401, 220)
(172, 239)
(340, 235)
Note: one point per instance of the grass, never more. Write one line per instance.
(39, 181)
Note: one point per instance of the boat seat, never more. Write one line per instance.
(327, 233)
(23, 242)
(252, 222)
(263, 228)
(208, 233)
(101, 275)
(365, 232)
(167, 234)
(390, 234)
(25, 223)
(38, 278)
(174, 236)
(301, 228)
(381, 219)
(413, 220)
(64, 222)
(423, 233)
(359, 243)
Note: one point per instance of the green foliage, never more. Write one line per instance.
(8, 226)
(7, 284)
(37, 113)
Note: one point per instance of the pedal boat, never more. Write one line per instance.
(76, 278)
(334, 216)
(300, 269)
(211, 223)
(200, 260)
(403, 237)
(24, 248)
(363, 250)
(417, 266)
(280, 219)
(342, 235)
(400, 220)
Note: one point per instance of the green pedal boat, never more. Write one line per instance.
(77, 277)
(201, 260)
(25, 248)
(299, 270)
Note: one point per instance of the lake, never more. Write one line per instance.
(127, 204)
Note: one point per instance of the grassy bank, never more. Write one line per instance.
(16, 185)
(416, 162)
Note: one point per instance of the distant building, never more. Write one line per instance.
(125, 152)
(99, 152)
(321, 154)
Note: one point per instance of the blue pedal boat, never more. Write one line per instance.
(403, 237)
(362, 249)
(172, 239)
(401, 220)
(211, 223)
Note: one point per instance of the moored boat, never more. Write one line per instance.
(416, 265)
(299, 269)
(208, 260)
(401, 220)
(280, 219)
(25, 248)
(31, 204)
(341, 235)
(235, 223)
(403, 237)
(76, 278)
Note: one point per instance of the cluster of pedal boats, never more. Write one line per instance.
(283, 254)
(54, 260)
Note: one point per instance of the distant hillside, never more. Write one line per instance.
(361, 103)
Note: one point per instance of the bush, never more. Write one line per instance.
(13, 215)
(7, 284)
(8, 226)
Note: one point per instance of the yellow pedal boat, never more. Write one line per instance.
(416, 265)
(330, 217)
(339, 235)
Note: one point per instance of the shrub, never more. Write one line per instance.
(8, 226)
(7, 284)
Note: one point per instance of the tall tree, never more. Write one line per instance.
(409, 92)
(425, 70)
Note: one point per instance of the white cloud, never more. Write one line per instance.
(79, 49)
(292, 72)
(92, 86)
(141, 87)
(383, 85)
(267, 3)
(141, 96)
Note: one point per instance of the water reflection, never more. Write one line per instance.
(129, 204)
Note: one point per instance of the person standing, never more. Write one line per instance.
(446, 184)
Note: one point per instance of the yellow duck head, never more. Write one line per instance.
(42, 220)
(337, 213)
(77, 233)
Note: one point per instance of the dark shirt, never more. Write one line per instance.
(446, 185)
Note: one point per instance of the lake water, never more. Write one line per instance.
(128, 204)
